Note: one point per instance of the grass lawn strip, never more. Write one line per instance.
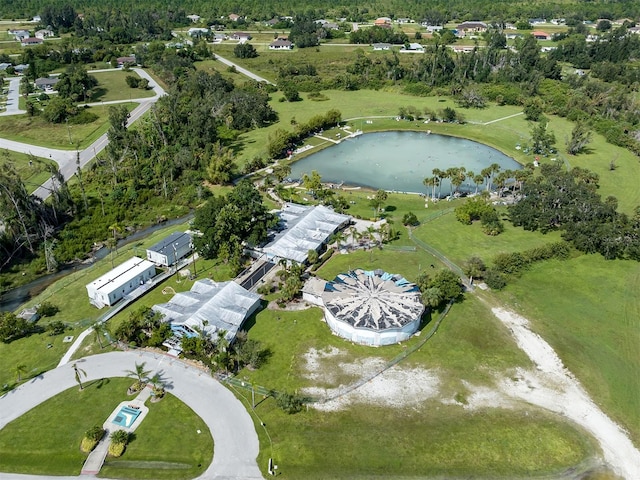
(112, 85)
(37, 131)
(46, 440)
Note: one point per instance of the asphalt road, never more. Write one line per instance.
(235, 440)
(242, 70)
(66, 159)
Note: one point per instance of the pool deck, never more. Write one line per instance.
(96, 458)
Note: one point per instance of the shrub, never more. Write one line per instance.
(116, 449)
(474, 267)
(491, 224)
(509, 262)
(47, 309)
(290, 402)
(91, 438)
(494, 279)
(410, 219)
(56, 328)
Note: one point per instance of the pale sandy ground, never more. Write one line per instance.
(553, 387)
(550, 386)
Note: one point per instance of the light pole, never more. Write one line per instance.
(69, 131)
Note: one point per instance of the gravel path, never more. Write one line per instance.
(553, 387)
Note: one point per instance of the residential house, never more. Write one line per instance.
(31, 41)
(169, 250)
(540, 35)
(462, 48)
(234, 17)
(271, 23)
(537, 21)
(122, 280)
(403, 20)
(634, 30)
(122, 61)
(4, 66)
(381, 46)
(36, 19)
(194, 18)
(20, 69)
(219, 37)
(432, 28)
(281, 44)
(412, 48)
(197, 32)
(558, 21)
(46, 84)
(19, 34)
(44, 33)
(240, 36)
(471, 28)
(384, 22)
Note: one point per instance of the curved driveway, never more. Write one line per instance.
(235, 439)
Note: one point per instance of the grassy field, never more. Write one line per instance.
(113, 86)
(588, 309)
(25, 448)
(32, 174)
(430, 439)
(37, 131)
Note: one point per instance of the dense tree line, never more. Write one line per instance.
(567, 201)
(434, 10)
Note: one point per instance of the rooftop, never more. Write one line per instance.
(167, 244)
(122, 273)
(374, 300)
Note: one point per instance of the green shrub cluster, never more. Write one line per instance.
(478, 208)
(282, 140)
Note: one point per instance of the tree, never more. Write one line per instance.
(132, 81)
(410, 220)
(100, 330)
(221, 164)
(140, 374)
(245, 50)
(312, 182)
(474, 267)
(59, 109)
(291, 93)
(281, 171)
(75, 83)
(580, 138)
(158, 385)
(290, 402)
(378, 201)
(20, 370)
(119, 440)
(542, 140)
(78, 374)
(12, 327)
(313, 256)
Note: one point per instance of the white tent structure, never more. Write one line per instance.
(372, 307)
(306, 228)
(210, 306)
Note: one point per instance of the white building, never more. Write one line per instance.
(125, 278)
(170, 249)
(305, 228)
(369, 307)
(209, 306)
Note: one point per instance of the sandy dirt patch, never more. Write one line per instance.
(553, 387)
(396, 387)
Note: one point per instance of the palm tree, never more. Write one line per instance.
(478, 179)
(139, 373)
(459, 177)
(20, 369)
(79, 373)
(371, 230)
(339, 237)
(120, 437)
(158, 386)
(355, 235)
(451, 174)
(100, 329)
(430, 182)
(438, 175)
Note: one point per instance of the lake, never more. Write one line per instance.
(400, 161)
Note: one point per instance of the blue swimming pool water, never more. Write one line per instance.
(126, 416)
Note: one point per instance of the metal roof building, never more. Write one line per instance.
(305, 228)
(372, 307)
(170, 249)
(125, 278)
(211, 306)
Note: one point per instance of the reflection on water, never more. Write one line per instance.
(400, 160)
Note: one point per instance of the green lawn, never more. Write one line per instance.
(432, 439)
(46, 440)
(37, 131)
(32, 174)
(588, 309)
(458, 242)
(113, 86)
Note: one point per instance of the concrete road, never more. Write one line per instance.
(235, 439)
(13, 96)
(67, 159)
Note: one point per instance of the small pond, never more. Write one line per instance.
(400, 161)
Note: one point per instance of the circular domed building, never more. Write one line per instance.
(372, 307)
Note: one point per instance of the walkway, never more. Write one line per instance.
(13, 97)
(242, 70)
(234, 435)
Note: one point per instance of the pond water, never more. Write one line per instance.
(400, 161)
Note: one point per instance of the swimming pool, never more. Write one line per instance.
(126, 416)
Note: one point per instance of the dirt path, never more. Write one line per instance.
(553, 387)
